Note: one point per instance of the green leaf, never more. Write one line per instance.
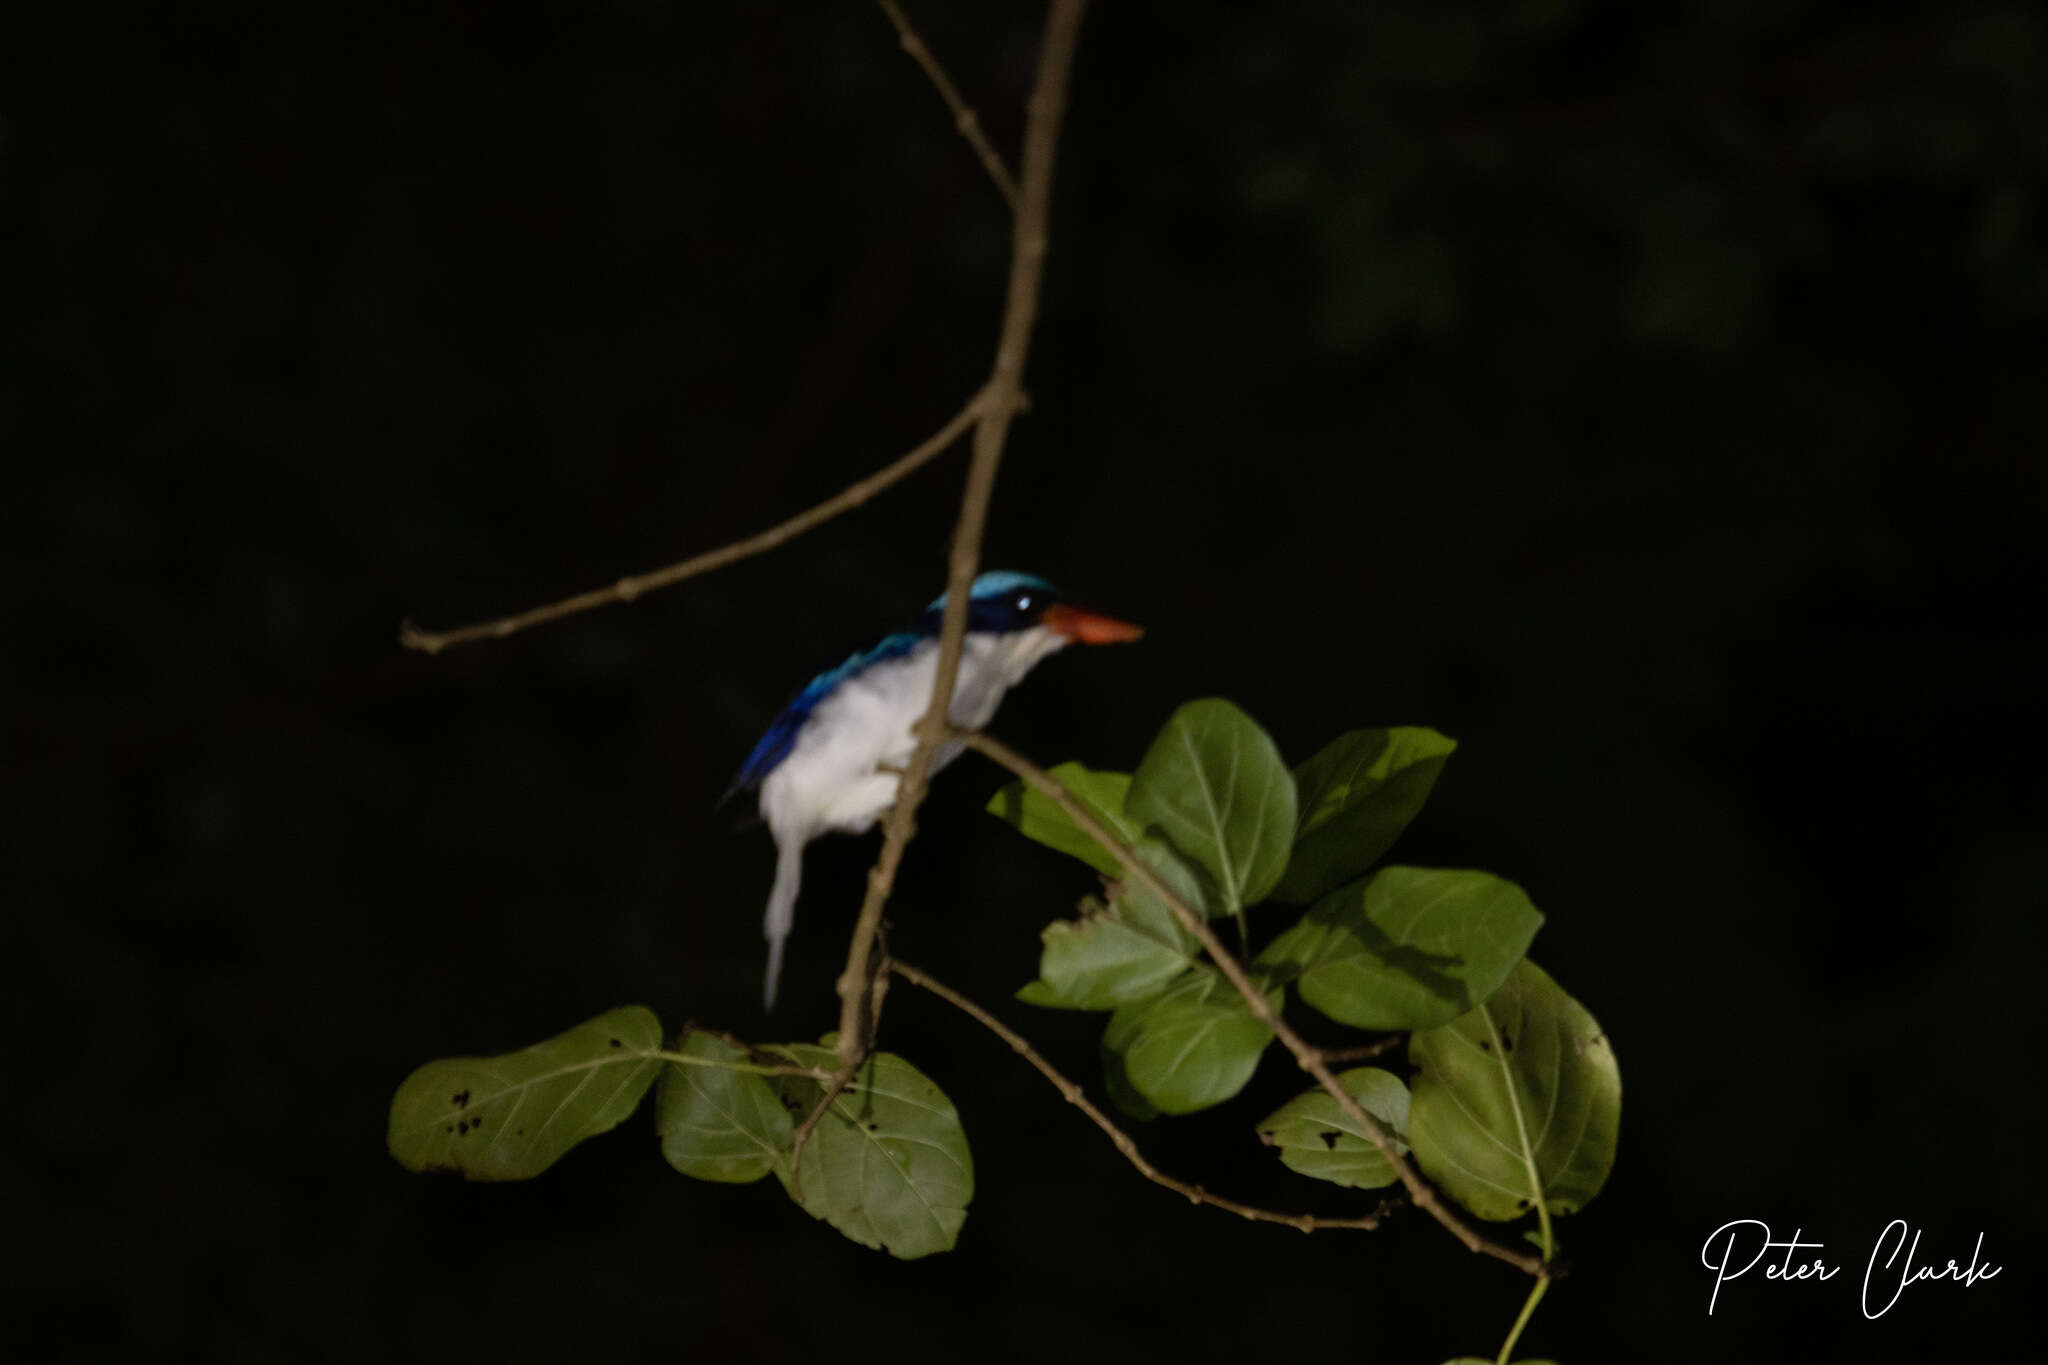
(1410, 948)
(1036, 816)
(1214, 784)
(1135, 901)
(512, 1117)
(1517, 1102)
(1317, 1138)
(1125, 952)
(1192, 1046)
(717, 1124)
(1100, 961)
(888, 1164)
(1357, 795)
(1116, 1079)
(1045, 997)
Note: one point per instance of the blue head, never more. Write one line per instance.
(999, 602)
(1003, 603)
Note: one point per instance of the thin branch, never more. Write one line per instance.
(1005, 386)
(1306, 1222)
(1310, 1059)
(1338, 1056)
(862, 984)
(963, 117)
(626, 589)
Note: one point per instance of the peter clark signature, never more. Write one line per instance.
(1733, 1250)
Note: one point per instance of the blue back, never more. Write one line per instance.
(781, 737)
(992, 605)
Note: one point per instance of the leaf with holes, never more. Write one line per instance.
(512, 1117)
(1214, 785)
(888, 1164)
(1123, 952)
(1192, 1046)
(1037, 816)
(1317, 1138)
(1517, 1102)
(719, 1124)
(1356, 797)
(1410, 948)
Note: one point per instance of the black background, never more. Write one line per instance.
(1646, 398)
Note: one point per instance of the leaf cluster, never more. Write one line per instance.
(887, 1165)
(1511, 1099)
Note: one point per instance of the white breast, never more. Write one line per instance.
(835, 778)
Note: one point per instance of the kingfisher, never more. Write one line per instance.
(834, 757)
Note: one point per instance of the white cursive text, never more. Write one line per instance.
(1908, 1275)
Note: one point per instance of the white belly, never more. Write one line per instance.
(837, 778)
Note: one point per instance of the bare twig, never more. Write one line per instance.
(963, 117)
(626, 589)
(1013, 343)
(1310, 1059)
(1337, 1056)
(1306, 1222)
(861, 985)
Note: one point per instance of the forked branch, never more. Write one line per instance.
(862, 982)
(1307, 1055)
(1305, 1222)
(626, 589)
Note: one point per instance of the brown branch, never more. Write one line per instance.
(963, 117)
(1310, 1059)
(626, 589)
(1005, 388)
(1306, 1222)
(862, 983)
(1364, 1051)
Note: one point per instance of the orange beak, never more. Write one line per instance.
(1087, 627)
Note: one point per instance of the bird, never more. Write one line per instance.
(833, 758)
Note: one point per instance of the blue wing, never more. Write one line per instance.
(782, 733)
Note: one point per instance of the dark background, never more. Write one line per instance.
(1648, 399)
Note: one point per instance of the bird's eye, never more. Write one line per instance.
(1024, 601)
